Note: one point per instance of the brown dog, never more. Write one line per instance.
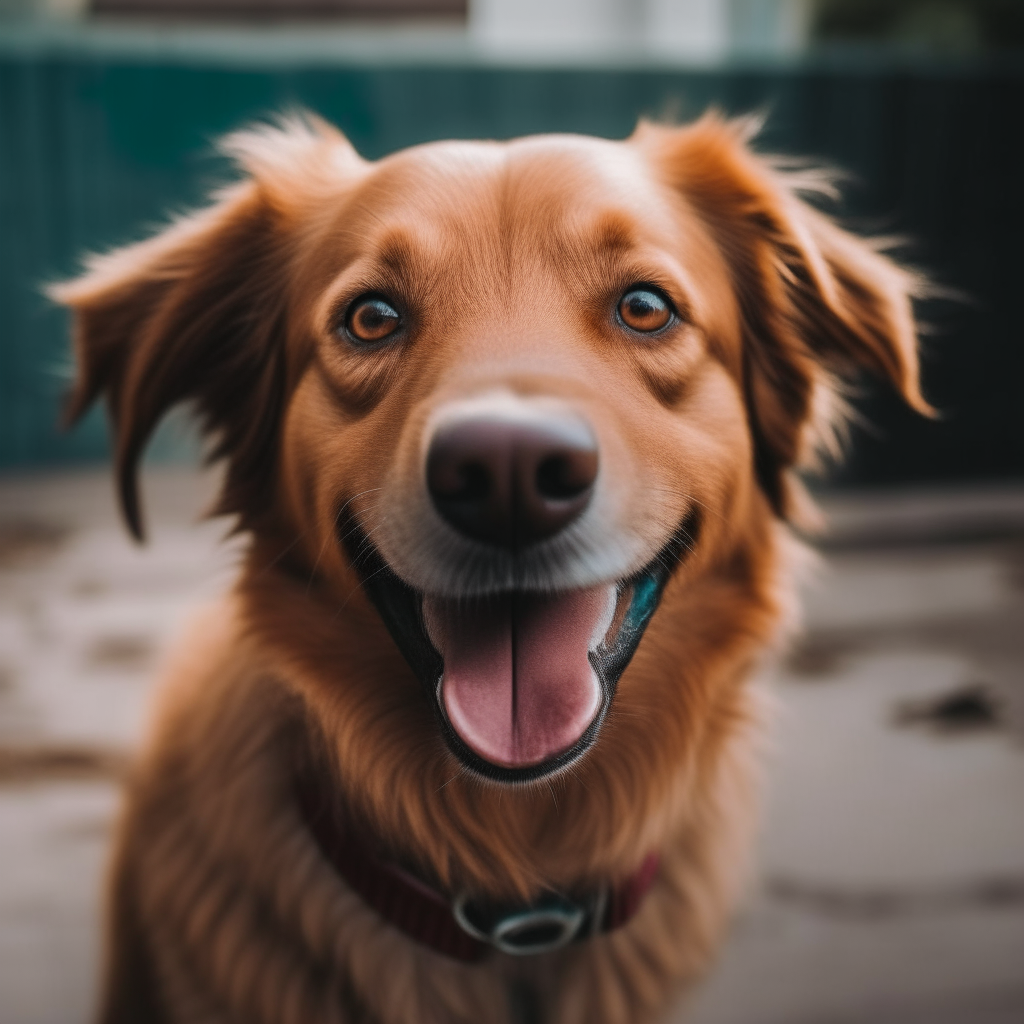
(511, 428)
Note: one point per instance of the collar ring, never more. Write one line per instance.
(544, 927)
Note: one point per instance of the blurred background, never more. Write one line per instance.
(890, 879)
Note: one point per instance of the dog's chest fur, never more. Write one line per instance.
(242, 919)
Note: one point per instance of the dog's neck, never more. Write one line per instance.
(461, 925)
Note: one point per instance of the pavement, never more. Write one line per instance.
(889, 886)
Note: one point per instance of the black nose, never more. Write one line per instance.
(511, 483)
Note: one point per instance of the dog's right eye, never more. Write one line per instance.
(371, 319)
(644, 310)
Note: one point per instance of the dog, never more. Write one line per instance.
(512, 429)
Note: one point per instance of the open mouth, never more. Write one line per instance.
(521, 681)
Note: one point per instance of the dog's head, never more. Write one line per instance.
(513, 391)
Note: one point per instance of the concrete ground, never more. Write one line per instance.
(890, 882)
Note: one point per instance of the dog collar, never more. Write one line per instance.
(466, 928)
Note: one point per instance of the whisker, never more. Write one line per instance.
(551, 790)
(357, 525)
(362, 583)
(333, 532)
(675, 493)
(462, 771)
(365, 547)
(284, 551)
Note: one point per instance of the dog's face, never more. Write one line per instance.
(513, 397)
(538, 311)
(512, 391)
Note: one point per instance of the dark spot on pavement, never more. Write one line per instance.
(24, 542)
(967, 709)
(994, 893)
(89, 829)
(89, 588)
(124, 652)
(6, 679)
(48, 764)
(817, 656)
(1015, 567)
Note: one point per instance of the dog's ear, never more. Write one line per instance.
(817, 303)
(198, 314)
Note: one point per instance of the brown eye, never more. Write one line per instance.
(644, 310)
(372, 319)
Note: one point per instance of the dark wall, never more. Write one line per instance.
(95, 148)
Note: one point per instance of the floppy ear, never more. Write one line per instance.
(817, 303)
(198, 314)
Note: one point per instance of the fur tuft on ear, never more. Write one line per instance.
(298, 154)
(818, 304)
(197, 314)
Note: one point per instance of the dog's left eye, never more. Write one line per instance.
(371, 319)
(644, 310)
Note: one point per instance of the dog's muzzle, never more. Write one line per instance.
(401, 608)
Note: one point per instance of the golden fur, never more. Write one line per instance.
(223, 907)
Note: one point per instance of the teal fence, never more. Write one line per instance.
(96, 147)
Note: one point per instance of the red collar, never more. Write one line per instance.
(467, 929)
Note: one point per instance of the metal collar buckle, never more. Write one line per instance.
(542, 927)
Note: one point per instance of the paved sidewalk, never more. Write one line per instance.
(890, 886)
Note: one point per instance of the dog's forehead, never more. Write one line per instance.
(618, 167)
(561, 177)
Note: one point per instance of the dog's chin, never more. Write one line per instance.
(520, 681)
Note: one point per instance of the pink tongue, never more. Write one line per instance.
(518, 687)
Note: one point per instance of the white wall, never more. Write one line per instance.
(684, 30)
(61, 10)
(546, 27)
(546, 31)
(777, 27)
(694, 29)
